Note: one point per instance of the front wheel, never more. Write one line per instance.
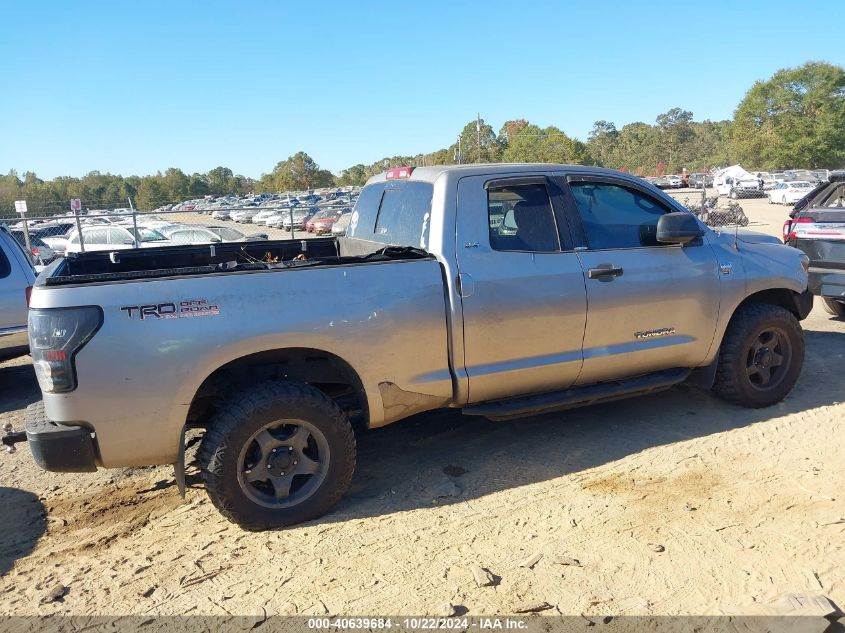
(836, 307)
(761, 356)
(279, 454)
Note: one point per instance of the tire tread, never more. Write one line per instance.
(726, 385)
(257, 398)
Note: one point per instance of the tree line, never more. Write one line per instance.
(795, 119)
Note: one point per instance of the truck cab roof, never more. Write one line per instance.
(432, 173)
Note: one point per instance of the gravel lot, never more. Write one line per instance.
(675, 503)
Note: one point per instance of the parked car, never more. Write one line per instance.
(789, 192)
(324, 221)
(244, 216)
(57, 242)
(192, 234)
(699, 180)
(422, 306)
(17, 277)
(41, 252)
(816, 226)
(792, 175)
(675, 182)
(262, 216)
(339, 227)
(300, 217)
(220, 214)
(112, 238)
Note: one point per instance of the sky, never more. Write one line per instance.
(137, 87)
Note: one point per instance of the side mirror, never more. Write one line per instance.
(130, 242)
(216, 239)
(678, 228)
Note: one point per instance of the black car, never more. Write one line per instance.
(816, 226)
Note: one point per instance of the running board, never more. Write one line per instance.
(500, 410)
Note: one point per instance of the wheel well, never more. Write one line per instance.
(782, 297)
(327, 372)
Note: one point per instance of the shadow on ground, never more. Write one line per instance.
(18, 386)
(22, 522)
(412, 463)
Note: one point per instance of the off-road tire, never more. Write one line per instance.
(233, 425)
(834, 306)
(732, 381)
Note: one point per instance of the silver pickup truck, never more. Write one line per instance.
(502, 290)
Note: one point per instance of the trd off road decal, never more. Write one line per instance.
(170, 310)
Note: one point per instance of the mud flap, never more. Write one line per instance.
(179, 465)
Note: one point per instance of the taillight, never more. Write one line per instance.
(398, 172)
(28, 294)
(789, 225)
(55, 336)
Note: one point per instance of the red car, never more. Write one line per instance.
(321, 222)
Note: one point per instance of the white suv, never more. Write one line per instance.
(113, 238)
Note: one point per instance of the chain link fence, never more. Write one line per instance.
(49, 237)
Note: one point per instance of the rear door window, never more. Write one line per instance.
(96, 236)
(395, 213)
(521, 218)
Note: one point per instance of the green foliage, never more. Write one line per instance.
(107, 191)
(795, 119)
(532, 144)
(298, 172)
(478, 144)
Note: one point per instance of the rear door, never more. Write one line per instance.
(652, 306)
(521, 286)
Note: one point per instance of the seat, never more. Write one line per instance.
(533, 228)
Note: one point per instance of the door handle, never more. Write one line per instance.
(604, 272)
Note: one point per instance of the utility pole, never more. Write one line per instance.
(460, 151)
(478, 131)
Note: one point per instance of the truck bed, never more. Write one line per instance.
(176, 261)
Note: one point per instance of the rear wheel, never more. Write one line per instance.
(279, 454)
(834, 306)
(761, 356)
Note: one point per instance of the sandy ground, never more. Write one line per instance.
(745, 506)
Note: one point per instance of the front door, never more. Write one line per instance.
(521, 285)
(652, 306)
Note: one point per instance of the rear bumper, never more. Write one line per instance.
(58, 447)
(826, 282)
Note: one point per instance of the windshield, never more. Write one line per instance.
(149, 235)
(228, 234)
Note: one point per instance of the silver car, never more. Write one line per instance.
(189, 234)
(17, 277)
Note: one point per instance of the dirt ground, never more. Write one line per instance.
(675, 503)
